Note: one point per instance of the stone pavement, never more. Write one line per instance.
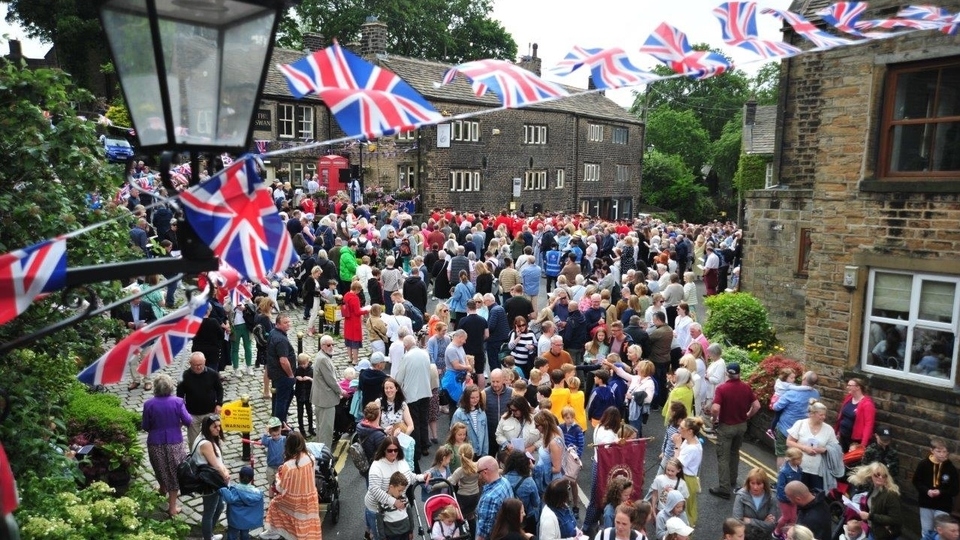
(234, 388)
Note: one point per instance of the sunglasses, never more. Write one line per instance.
(392, 450)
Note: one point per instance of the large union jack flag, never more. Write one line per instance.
(738, 21)
(670, 46)
(845, 16)
(27, 273)
(365, 99)
(233, 212)
(158, 343)
(949, 21)
(609, 68)
(820, 39)
(515, 86)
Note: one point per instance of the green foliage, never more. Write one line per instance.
(119, 115)
(680, 133)
(100, 419)
(451, 31)
(742, 357)
(669, 184)
(725, 152)
(52, 508)
(740, 317)
(751, 172)
(765, 376)
(765, 85)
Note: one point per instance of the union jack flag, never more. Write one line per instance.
(365, 99)
(27, 273)
(822, 40)
(122, 195)
(158, 342)
(233, 212)
(947, 20)
(670, 46)
(609, 68)
(262, 146)
(738, 21)
(845, 16)
(515, 86)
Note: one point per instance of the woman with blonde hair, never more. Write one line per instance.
(682, 390)
(690, 453)
(812, 435)
(377, 329)
(883, 509)
(699, 253)
(755, 505)
(441, 314)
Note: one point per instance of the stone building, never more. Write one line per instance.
(576, 154)
(861, 245)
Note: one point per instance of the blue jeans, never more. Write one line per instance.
(282, 397)
(171, 292)
(212, 508)
(370, 517)
(237, 534)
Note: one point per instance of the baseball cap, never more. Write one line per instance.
(246, 472)
(274, 422)
(363, 364)
(884, 433)
(733, 368)
(676, 525)
(377, 358)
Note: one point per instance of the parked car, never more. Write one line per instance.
(117, 150)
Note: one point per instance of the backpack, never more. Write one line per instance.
(358, 456)
(571, 464)
(248, 316)
(416, 316)
(260, 336)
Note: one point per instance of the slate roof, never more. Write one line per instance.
(808, 8)
(760, 138)
(422, 74)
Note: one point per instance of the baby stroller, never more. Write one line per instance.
(343, 421)
(435, 503)
(325, 477)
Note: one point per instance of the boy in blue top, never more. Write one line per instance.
(601, 398)
(788, 473)
(273, 441)
(244, 506)
(572, 432)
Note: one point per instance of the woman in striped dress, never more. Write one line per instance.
(522, 345)
(294, 513)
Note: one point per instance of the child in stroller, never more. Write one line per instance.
(444, 517)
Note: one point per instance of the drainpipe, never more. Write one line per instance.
(576, 163)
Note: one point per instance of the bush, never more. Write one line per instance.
(765, 376)
(101, 420)
(740, 317)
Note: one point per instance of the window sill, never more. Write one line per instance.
(917, 185)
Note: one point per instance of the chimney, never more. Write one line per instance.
(16, 52)
(750, 112)
(373, 37)
(591, 85)
(531, 63)
(312, 41)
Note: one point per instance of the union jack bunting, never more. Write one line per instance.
(670, 46)
(233, 212)
(122, 194)
(515, 86)
(738, 21)
(365, 99)
(262, 146)
(159, 343)
(822, 40)
(948, 21)
(27, 273)
(226, 159)
(845, 16)
(609, 68)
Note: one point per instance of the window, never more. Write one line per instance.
(595, 133)
(410, 135)
(561, 178)
(768, 176)
(296, 173)
(285, 121)
(591, 172)
(621, 135)
(305, 122)
(465, 130)
(910, 326)
(921, 121)
(803, 251)
(534, 180)
(406, 176)
(205, 122)
(534, 134)
(464, 180)
(623, 173)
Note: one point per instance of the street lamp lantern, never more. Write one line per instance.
(192, 71)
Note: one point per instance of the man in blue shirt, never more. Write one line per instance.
(495, 491)
(552, 265)
(792, 406)
(530, 278)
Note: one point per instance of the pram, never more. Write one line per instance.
(435, 503)
(325, 478)
(343, 421)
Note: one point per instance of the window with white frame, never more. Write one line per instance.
(410, 135)
(296, 173)
(623, 173)
(406, 176)
(591, 172)
(534, 134)
(911, 326)
(768, 176)
(286, 121)
(305, 122)
(561, 178)
(621, 135)
(205, 122)
(595, 133)
(534, 180)
(465, 130)
(464, 180)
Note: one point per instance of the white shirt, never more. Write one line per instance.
(690, 456)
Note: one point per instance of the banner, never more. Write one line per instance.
(615, 460)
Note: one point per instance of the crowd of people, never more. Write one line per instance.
(527, 378)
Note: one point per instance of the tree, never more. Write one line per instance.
(669, 184)
(765, 85)
(452, 31)
(725, 152)
(680, 133)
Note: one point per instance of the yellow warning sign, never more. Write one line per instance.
(236, 417)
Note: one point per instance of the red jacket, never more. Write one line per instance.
(863, 420)
(352, 312)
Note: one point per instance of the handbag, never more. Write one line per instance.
(196, 477)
